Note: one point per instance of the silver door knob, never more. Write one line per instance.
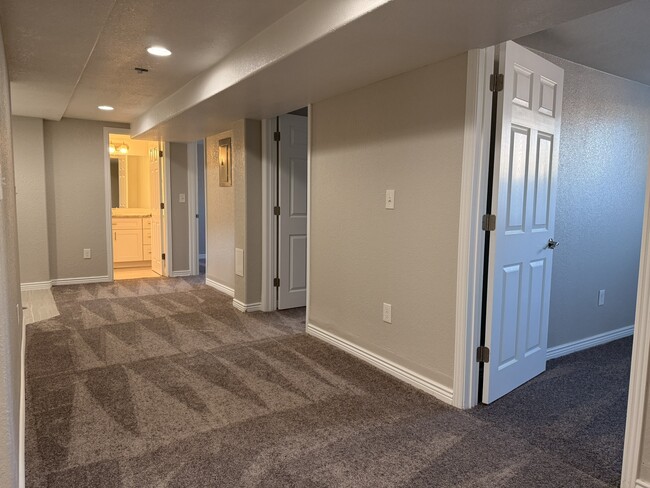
(552, 244)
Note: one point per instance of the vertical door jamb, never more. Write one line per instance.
(471, 240)
(269, 197)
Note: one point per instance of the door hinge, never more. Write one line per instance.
(197, 216)
(483, 354)
(162, 206)
(276, 210)
(276, 136)
(276, 282)
(163, 256)
(496, 82)
(489, 222)
(160, 154)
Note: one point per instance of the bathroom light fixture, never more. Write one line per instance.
(123, 148)
(107, 108)
(111, 148)
(158, 51)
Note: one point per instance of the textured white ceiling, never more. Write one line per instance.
(239, 58)
(338, 48)
(47, 46)
(616, 40)
(66, 57)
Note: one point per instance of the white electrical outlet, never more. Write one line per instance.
(390, 199)
(87, 254)
(601, 298)
(388, 313)
(181, 198)
(239, 262)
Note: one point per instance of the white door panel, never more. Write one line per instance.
(520, 261)
(156, 217)
(292, 259)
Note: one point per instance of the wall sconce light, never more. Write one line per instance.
(123, 148)
(111, 149)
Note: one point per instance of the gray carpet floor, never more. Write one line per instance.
(161, 383)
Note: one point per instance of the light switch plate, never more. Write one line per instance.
(390, 199)
(181, 197)
(388, 313)
(87, 254)
(601, 298)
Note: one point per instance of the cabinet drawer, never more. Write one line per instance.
(146, 223)
(146, 236)
(146, 252)
(127, 223)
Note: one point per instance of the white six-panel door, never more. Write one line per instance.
(292, 249)
(524, 191)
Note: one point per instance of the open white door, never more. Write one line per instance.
(156, 211)
(521, 248)
(292, 233)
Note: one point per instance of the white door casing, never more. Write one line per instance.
(156, 212)
(524, 193)
(292, 232)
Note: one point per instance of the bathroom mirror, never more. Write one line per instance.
(130, 182)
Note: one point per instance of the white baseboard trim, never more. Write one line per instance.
(36, 285)
(21, 422)
(80, 281)
(588, 342)
(246, 307)
(222, 288)
(642, 484)
(441, 392)
(180, 274)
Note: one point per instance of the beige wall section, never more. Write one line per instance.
(29, 162)
(220, 218)
(404, 133)
(10, 306)
(247, 180)
(74, 164)
(180, 217)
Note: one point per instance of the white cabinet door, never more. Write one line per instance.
(524, 189)
(127, 245)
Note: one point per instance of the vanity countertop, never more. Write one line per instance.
(131, 212)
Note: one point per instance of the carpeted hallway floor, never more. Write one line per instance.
(161, 383)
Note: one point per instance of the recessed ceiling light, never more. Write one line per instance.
(158, 51)
(105, 107)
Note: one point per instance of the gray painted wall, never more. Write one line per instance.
(200, 160)
(604, 148)
(404, 133)
(29, 162)
(247, 181)
(180, 217)
(74, 171)
(220, 217)
(11, 330)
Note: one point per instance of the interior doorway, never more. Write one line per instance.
(197, 215)
(286, 209)
(135, 202)
(517, 175)
(200, 211)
